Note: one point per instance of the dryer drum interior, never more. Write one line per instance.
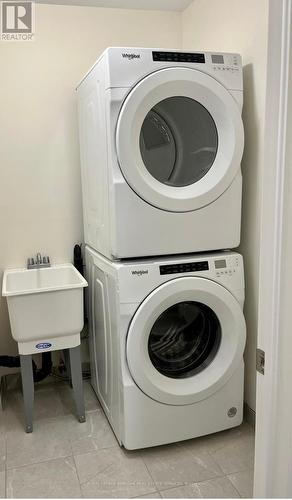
(184, 339)
(178, 141)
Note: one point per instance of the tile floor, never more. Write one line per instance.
(65, 459)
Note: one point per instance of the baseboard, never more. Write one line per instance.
(249, 415)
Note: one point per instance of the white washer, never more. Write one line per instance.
(166, 341)
(161, 140)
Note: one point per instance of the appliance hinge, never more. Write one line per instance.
(260, 361)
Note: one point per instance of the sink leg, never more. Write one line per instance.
(77, 383)
(67, 365)
(28, 389)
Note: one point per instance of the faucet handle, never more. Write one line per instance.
(30, 262)
(39, 258)
(46, 260)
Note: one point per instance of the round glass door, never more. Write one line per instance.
(184, 339)
(178, 141)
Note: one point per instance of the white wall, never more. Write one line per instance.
(40, 196)
(241, 26)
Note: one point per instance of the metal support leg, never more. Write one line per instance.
(77, 383)
(67, 364)
(2, 390)
(28, 389)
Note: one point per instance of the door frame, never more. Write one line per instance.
(273, 450)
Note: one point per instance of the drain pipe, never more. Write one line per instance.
(45, 370)
(38, 374)
(9, 361)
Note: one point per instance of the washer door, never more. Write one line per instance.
(179, 139)
(185, 340)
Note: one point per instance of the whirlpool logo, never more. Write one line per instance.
(140, 272)
(131, 56)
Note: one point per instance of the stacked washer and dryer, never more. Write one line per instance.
(161, 140)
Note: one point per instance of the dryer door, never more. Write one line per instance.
(179, 139)
(185, 340)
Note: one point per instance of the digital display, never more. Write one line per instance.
(220, 264)
(178, 57)
(217, 59)
(187, 267)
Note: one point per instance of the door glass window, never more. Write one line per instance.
(184, 339)
(178, 141)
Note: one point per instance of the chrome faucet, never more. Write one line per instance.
(38, 262)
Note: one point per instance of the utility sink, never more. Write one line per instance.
(45, 306)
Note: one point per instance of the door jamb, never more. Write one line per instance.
(272, 462)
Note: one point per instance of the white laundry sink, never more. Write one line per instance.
(45, 306)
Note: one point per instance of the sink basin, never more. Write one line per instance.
(45, 306)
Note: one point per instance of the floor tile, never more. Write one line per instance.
(219, 487)
(2, 421)
(243, 482)
(218, 440)
(236, 455)
(47, 441)
(53, 479)
(155, 494)
(49, 382)
(190, 469)
(113, 473)
(47, 403)
(12, 420)
(92, 435)
(232, 450)
(51, 400)
(172, 466)
(2, 484)
(67, 397)
(2, 451)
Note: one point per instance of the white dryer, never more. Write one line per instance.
(161, 140)
(166, 342)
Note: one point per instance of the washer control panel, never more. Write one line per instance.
(136, 279)
(226, 266)
(186, 267)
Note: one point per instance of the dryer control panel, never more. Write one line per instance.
(190, 57)
(124, 67)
